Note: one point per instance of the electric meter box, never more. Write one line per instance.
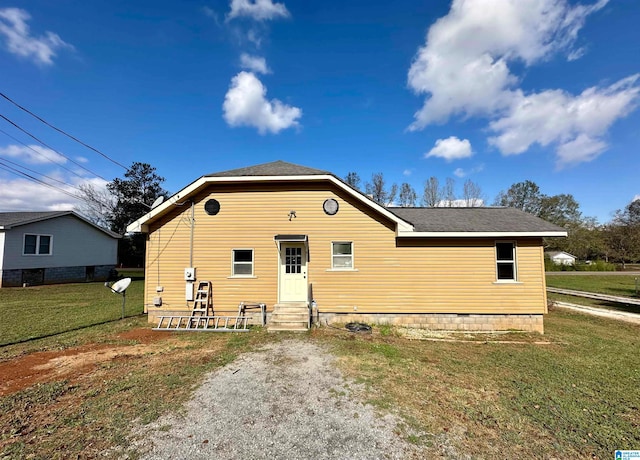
(190, 274)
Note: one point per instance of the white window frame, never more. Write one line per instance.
(513, 261)
(333, 256)
(233, 263)
(38, 236)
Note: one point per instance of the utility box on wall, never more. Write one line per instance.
(188, 293)
(190, 274)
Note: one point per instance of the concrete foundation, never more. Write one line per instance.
(54, 275)
(442, 321)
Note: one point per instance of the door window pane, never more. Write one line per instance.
(293, 260)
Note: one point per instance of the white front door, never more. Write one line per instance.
(293, 272)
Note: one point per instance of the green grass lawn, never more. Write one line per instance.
(620, 285)
(40, 311)
(575, 398)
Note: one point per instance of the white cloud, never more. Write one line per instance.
(258, 10)
(407, 172)
(245, 104)
(255, 64)
(210, 12)
(255, 37)
(635, 198)
(451, 149)
(25, 195)
(463, 67)
(19, 194)
(459, 172)
(33, 154)
(574, 123)
(463, 70)
(14, 28)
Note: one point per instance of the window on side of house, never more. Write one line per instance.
(342, 255)
(506, 261)
(37, 245)
(242, 262)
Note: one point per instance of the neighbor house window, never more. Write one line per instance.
(242, 262)
(342, 255)
(37, 245)
(506, 261)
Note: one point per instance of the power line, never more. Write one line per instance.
(51, 148)
(63, 132)
(35, 179)
(29, 177)
(40, 174)
(41, 154)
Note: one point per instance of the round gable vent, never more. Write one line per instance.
(330, 206)
(212, 207)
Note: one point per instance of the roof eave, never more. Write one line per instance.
(542, 234)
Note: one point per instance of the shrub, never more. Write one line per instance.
(596, 266)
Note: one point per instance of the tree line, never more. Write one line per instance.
(434, 194)
(615, 241)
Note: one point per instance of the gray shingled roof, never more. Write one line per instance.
(14, 219)
(473, 220)
(10, 219)
(275, 168)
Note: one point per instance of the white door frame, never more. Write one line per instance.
(282, 245)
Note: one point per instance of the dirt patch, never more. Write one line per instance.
(73, 363)
(144, 335)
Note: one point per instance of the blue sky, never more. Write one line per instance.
(495, 91)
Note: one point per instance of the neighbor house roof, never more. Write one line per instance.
(494, 220)
(559, 253)
(9, 220)
(410, 222)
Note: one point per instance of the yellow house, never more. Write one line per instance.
(300, 240)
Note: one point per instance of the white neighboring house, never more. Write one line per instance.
(53, 247)
(561, 257)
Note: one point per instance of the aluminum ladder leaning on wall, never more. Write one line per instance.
(202, 316)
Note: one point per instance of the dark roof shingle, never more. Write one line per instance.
(275, 168)
(9, 219)
(492, 219)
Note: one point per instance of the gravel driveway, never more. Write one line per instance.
(287, 401)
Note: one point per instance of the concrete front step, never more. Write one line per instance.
(280, 317)
(297, 327)
(291, 310)
(293, 316)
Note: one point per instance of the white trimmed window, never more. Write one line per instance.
(37, 245)
(506, 261)
(342, 255)
(242, 262)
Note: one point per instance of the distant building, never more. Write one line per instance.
(561, 257)
(53, 247)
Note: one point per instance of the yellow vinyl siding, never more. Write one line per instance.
(410, 276)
